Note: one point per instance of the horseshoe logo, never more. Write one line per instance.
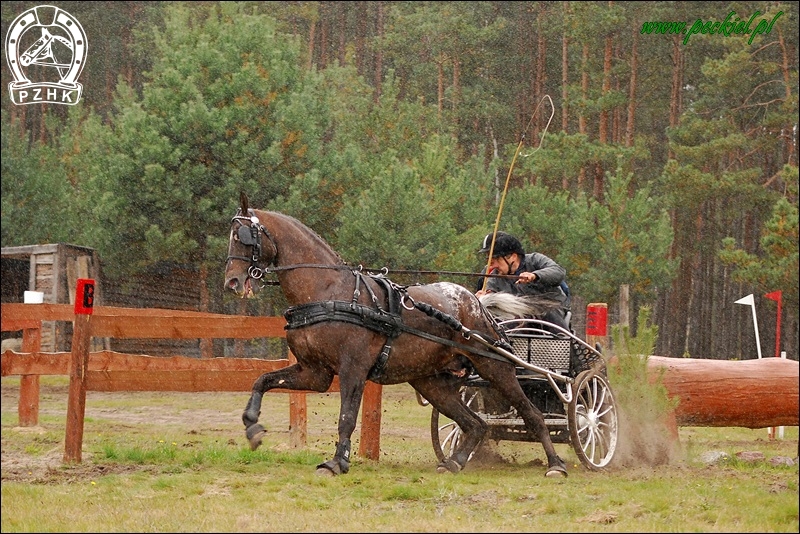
(45, 39)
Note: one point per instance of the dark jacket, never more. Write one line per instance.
(548, 284)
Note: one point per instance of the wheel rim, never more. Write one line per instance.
(593, 420)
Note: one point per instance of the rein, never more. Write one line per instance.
(249, 235)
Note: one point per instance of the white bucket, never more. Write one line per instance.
(34, 297)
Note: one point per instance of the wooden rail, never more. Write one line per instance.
(111, 371)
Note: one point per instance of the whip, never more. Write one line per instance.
(510, 170)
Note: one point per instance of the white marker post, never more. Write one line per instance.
(780, 428)
(750, 302)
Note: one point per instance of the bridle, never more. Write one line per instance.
(248, 235)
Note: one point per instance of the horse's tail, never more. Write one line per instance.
(506, 306)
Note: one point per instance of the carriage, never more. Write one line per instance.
(563, 376)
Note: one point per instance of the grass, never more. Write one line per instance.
(147, 470)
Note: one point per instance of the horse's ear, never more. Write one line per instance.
(244, 202)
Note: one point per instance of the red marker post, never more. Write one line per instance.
(79, 362)
(597, 319)
(777, 296)
(596, 323)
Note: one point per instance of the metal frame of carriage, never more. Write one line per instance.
(563, 376)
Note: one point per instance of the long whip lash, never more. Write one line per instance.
(511, 169)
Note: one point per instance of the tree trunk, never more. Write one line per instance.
(362, 15)
(378, 77)
(541, 63)
(564, 95)
(788, 130)
(440, 86)
(324, 49)
(564, 80)
(604, 114)
(342, 8)
(677, 83)
(456, 85)
(585, 96)
(629, 129)
(312, 34)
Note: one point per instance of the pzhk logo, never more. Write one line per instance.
(49, 45)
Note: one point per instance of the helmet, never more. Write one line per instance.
(504, 244)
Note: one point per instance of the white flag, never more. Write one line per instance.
(746, 300)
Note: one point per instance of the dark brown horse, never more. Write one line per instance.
(360, 327)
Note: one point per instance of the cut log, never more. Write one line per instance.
(757, 393)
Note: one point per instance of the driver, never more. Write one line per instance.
(538, 275)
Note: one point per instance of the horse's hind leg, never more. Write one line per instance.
(503, 378)
(293, 377)
(442, 391)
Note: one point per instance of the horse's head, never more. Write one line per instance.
(251, 250)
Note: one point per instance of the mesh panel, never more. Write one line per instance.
(545, 352)
(583, 359)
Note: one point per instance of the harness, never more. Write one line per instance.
(387, 322)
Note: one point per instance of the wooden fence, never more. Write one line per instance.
(754, 393)
(112, 371)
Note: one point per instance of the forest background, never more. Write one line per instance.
(655, 162)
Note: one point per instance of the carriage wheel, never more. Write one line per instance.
(447, 434)
(592, 420)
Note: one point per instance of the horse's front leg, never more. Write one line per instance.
(294, 377)
(351, 390)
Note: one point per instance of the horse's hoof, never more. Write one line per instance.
(255, 434)
(556, 471)
(448, 466)
(330, 468)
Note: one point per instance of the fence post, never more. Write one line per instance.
(76, 402)
(298, 415)
(28, 408)
(370, 446)
(79, 362)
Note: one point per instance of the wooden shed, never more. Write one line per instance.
(52, 269)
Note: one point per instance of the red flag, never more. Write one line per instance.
(775, 295)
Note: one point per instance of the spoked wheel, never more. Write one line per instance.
(592, 420)
(445, 433)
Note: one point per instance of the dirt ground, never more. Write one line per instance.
(50, 467)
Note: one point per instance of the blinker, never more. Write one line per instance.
(245, 236)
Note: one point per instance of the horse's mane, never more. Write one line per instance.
(506, 306)
(319, 240)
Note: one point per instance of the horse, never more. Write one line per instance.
(365, 327)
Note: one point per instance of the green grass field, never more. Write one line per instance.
(179, 462)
